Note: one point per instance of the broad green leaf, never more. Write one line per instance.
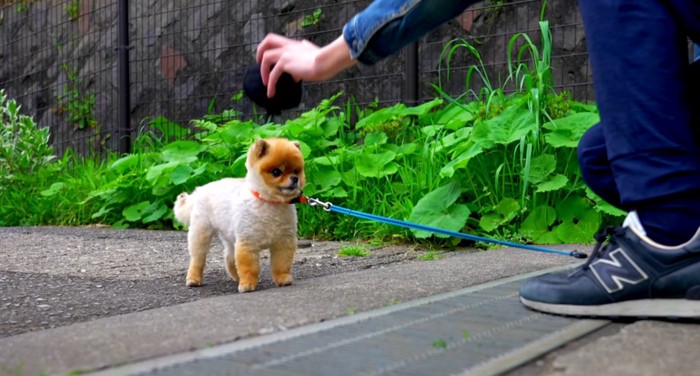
(508, 208)
(541, 168)
(180, 174)
(583, 107)
(502, 213)
(602, 206)
(397, 111)
(53, 189)
(567, 131)
(182, 150)
(102, 212)
(376, 139)
(134, 212)
(337, 191)
(480, 135)
(376, 164)
(155, 172)
(454, 117)
(579, 221)
(331, 127)
(423, 109)
(556, 182)
(125, 163)
(324, 177)
(201, 169)
(326, 160)
(561, 139)
(238, 167)
(461, 160)
(236, 131)
(438, 209)
(382, 115)
(154, 212)
(405, 149)
(537, 225)
(490, 221)
(454, 138)
(512, 124)
(168, 129)
(430, 130)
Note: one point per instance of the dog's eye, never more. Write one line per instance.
(276, 172)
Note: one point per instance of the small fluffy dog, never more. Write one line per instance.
(249, 215)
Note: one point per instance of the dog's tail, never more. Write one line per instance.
(183, 208)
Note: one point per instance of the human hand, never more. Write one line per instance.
(303, 60)
(277, 54)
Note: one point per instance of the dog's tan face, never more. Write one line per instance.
(279, 166)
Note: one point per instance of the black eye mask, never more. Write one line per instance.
(287, 92)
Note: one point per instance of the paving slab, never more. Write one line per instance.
(96, 299)
(640, 348)
(154, 263)
(478, 330)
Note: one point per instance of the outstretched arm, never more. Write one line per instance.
(303, 60)
(380, 30)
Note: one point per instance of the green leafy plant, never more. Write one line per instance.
(25, 154)
(431, 255)
(73, 9)
(353, 251)
(22, 6)
(440, 344)
(311, 19)
(516, 154)
(24, 147)
(35, 186)
(78, 108)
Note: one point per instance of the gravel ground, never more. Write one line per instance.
(55, 276)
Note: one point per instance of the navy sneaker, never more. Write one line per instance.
(630, 276)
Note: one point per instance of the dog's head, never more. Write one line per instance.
(276, 168)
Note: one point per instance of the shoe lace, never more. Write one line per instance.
(605, 234)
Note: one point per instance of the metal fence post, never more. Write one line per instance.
(411, 97)
(124, 109)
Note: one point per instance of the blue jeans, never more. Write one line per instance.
(645, 153)
(647, 145)
(386, 26)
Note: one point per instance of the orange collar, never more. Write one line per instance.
(301, 199)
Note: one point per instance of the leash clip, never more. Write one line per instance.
(313, 202)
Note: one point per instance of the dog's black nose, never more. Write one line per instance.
(295, 179)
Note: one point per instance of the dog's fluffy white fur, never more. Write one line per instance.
(247, 224)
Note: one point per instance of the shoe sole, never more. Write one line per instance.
(643, 308)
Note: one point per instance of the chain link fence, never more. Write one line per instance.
(97, 72)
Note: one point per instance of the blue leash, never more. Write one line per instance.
(339, 209)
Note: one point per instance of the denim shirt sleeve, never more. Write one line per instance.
(365, 24)
(386, 26)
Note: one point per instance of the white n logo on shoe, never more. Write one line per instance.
(619, 270)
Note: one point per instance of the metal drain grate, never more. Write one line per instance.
(468, 329)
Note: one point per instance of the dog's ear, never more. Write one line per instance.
(297, 144)
(260, 148)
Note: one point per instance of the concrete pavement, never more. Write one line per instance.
(150, 326)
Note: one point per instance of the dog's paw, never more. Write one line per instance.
(191, 282)
(283, 279)
(246, 287)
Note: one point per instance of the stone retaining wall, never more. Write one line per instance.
(187, 58)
